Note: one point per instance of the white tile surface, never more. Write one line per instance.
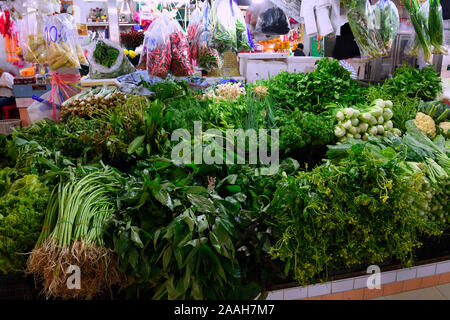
(443, 267)
(296, 293)
(361, 282)
(426, 270)
(275, 295)
(388, 277)
(406, 274)
(342, 285)
(319, 289)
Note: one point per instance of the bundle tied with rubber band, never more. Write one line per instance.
(76, 217)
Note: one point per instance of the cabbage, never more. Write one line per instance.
(363, 127)
(373, 121)
(365, 137)
(349, 112)
(380, 129)
(347, 124)
(387, 114)
(388, 126)
(376, 111)
(349, 135)
(356, 114)
(388, 103)
(397, 132)
(340, 116)
(357, 136)
(353, 130)
(379, 103)
(339, 132)
(380, 120)
(355, 122)
(366, 116)
(373, 131)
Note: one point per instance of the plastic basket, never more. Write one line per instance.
(7, 126)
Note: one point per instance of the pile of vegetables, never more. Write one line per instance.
(92, 102)
(105, 55)
(132, 39)
(359, 124)
(226, 91)
(100, 190)
(22, 205)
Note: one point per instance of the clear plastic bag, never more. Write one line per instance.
(61, 48)
(80, 53)
(436, 27)
(361, 19)
(242, 33)
(387, 22)
(32, 39)
(223, 36)
(420, 45)
(157, 50)
(195, 22)
(181, 63)
(48, 6)
(107, 60)
(272, 20)
(208, 57)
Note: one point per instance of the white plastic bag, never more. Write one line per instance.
(119, 67)
(242, 33)
(195, 23)
(80, 53)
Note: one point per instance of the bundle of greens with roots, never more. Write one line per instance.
(72, 235)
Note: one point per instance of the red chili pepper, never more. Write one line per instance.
(181, 64)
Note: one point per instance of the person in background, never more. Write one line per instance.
(6, 92)
(345, 49)
(298, 52)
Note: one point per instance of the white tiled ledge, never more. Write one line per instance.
(349, 284)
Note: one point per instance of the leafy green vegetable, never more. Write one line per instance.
(22, 209)
(105, 55)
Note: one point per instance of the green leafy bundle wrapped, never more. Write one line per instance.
(419, 20)
(387, 21)
(436, 27)
(361, 18)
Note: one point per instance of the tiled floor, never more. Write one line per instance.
(441, 292)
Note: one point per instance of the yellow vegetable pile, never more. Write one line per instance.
(61, 56)
(37, 48)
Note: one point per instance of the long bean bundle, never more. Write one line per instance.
(77, 214)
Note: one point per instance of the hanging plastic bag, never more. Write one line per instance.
(272, 20)
(420, 45)
(61, 48)
(223, 36)
(387, 22)
(181, 63)
(242, 33)
(436, 27)
(157, 48)
(80, 54)
(361, 19)
(107, 60)
(195, 22)
(208, 57)
(48, 6)
(32, 39)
